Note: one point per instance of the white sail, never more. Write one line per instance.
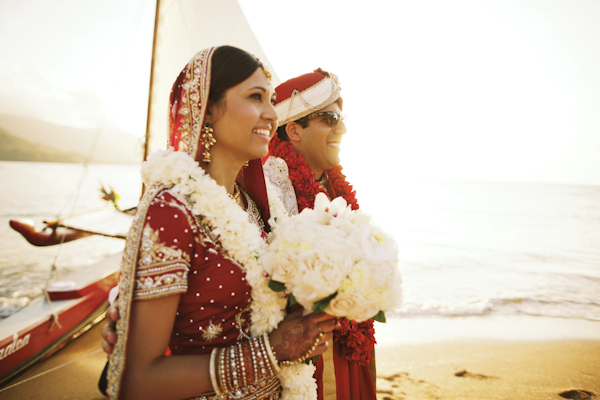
(183, 28)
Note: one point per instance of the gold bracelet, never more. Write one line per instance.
(307, 354)
(213, 375)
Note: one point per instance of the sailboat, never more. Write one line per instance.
(78, 301)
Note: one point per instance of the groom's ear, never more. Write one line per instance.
(293, 131)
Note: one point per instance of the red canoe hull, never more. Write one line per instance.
(33, 333)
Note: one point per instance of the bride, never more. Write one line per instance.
(190, 282)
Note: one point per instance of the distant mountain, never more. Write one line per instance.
(43, 138)
(13, 148)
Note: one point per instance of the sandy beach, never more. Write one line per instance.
(496, 358)
(417, 359)
(488, 370)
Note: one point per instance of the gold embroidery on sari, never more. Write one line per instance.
(161, 269)
(159, 280)
(153, 252)
(212, 332)
(239, 324)
(253, 213)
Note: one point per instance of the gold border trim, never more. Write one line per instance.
(126, 287)
(200, 85)
(329, 381)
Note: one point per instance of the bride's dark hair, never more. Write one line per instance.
(230, 66)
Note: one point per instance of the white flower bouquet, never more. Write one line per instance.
(335, 260)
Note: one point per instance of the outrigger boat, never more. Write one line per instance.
(72, 304)
(76, 302)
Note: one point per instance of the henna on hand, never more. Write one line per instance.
(296, 335)
(293, 339)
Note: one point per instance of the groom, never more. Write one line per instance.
(304, 160)
(307, 149)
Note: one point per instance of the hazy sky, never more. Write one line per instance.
(485, 90)
(502, 90)
(79, 63)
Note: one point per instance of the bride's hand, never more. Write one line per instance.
(296, 335)
(109, 331)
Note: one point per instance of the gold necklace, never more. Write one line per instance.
(236, 194)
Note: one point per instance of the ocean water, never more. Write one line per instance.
(466, 248)
(489, 248)
(44, 191)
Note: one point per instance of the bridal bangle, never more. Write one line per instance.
(242, 365)
(213, 375)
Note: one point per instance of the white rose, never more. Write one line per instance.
(352, 306)
(285, 268)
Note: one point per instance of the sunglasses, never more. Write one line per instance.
(332, 117)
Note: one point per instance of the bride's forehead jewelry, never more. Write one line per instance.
(264, 68)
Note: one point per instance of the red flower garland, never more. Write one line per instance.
(303, 178)
(357, 340)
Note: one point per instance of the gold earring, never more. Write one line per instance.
(207, 141)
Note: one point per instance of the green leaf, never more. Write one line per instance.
(322, 304)
(292, 300)
(380, 317)
(276, 286)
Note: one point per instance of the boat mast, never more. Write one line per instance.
(148, 117)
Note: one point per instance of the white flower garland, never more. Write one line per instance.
(243, 242)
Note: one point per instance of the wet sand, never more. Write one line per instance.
(532, 363)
